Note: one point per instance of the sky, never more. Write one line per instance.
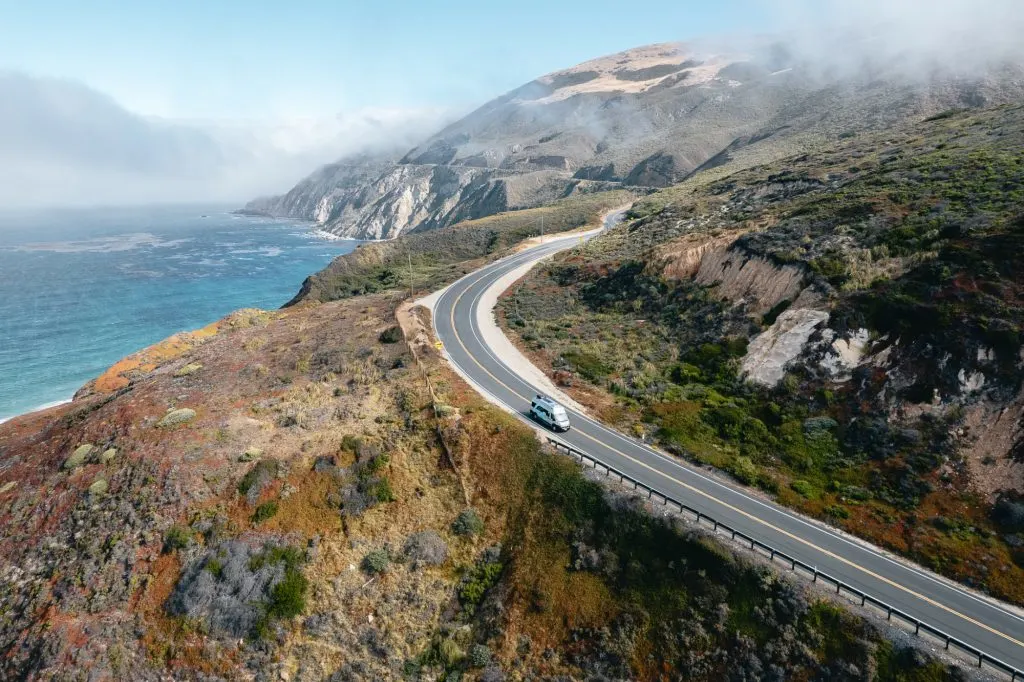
(262, 59)
(142, 101)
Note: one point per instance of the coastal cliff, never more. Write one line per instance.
(644, 118)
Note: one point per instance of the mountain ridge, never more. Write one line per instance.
(642, 118)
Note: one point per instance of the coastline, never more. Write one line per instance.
(40, 408)
(206, 267)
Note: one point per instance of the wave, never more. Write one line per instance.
(124, 242)
(46, 406)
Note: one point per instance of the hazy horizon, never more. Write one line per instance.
(193, 104)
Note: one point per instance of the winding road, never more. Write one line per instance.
(994, 628)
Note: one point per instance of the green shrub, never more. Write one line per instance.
(477, 580)
(450, 653)
(263, 470)
(586, 365)
(468, 523)
(380, 490)
(288, 597)
(837, 512)
(479, 655)
(265, 511)
(378, 463)
(177, 538)
(376, 562)
(291, 557)
(744, 470)
(215, 566)
(803, 488)
(391, 335)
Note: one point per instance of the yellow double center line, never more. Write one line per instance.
(756, 519)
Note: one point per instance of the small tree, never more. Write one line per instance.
(391, 335)
(468, 523)
(177, 538)
(376, 562)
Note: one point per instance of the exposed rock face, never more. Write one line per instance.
(754, 280)
(682, 258)
(646, 117)
(770, 351)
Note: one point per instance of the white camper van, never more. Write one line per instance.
(549, 413)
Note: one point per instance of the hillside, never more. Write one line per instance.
(301, 495)
(643, 118)
(841, 329)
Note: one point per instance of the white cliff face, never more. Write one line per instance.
(401, 198)
(970, 382)
(844, 355)
(770, 352)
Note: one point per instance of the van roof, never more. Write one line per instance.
(544, 399)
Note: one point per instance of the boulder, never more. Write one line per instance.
(176, 417)
(79, 456)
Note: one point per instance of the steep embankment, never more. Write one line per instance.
(842, 329)
(646, 117)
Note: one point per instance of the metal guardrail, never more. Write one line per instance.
(920, 627)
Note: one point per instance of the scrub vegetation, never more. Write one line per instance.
(910, 243)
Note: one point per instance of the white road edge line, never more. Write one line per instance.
(858, 544)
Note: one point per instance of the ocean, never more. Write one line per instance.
(80, 289)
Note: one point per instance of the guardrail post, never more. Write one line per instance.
(947, 642)
(980, 658)
(815, 578)
(839, 586)
(888, 613)
(917, 627)
(773, 555)
(862, 598)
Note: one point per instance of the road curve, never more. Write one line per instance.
(994, 628)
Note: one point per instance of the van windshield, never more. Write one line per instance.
(558, 412)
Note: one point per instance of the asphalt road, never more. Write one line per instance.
(991, 627)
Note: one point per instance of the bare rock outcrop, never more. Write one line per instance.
(754, 280)
(770, 352)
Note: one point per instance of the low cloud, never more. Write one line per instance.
(62, 143)
(914, 37)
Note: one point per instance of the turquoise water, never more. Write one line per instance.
(80, 289)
